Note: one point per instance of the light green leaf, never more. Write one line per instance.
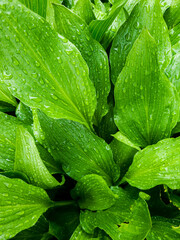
(93, 193)
(84, 10)
(21, 205)
(146, 104)
(80, 234)
(99, 27)
(28, 161)
(24, 113)
(146, 14)
(175, 35)
(126, 221)
(76, 30)
(130, 4)
(172, 14)
(163, 229)
(50, 18)
(6, 97)
(99, 9)
(7, 141)
(79, 150)
(50, 78)
(155, 165)
(165, 4)
(120, 137)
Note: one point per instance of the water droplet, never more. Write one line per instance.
(141, 87)
(34, 75)
(37, 64)
(8, 185)
(15, 61)
(52, 50)
(5, 194)
(7, 76)
(54, 97)
(68, 51)
(41, 82)
(59, 60)
(128, 37)
(137, 25)
(20, 213)
(7, 37)
(87, 37)
(35, 99)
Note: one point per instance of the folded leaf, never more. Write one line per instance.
(24, 113)
(93, 193)
(28, 161)
(155, 165)
(21, 205)
(76, 30)
(6, 97)
(146, 14)
(79, 150)
(131, 222)
(163, 229)
(50, 18)
(146, 104)
(172, 15)
(175, 34)
(84, 10)
(40, 67)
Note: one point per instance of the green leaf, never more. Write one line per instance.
(165, 4)
(6, 107)
(175, 199)
(163, 229)
(146, 104)
(21, 205)
(24, 113)
(6, 97)
(126, 220)
(98, 28)
(155, 165)
(130, 4)
(50, 78)
(76, 30)
(84, 10)
(175, 34)
(93, 193)
(79, 234)
(28, 161)
(63, 221)
(172, 14)
(99, 9)
(50, 18)
(146, 14)
(79, 150)
(176, 129)
(7, 141)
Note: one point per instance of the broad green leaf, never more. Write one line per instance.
(50, 18)
(6, 97)
(123, 155)
(28, 161)
(79, 150)
(50, 78)
(98, 28)
(172, 14)
(63, 221)
(99, 9)
(7, 141)
(155, 165)
(76, 30)
(80, 234)
(146, 14)
(36, 232)
(130, 4)
(163, 229)
(93, 193)
(146, 103)
(132, 222)
(21, 205)
(84, 10)
(37, 6)
(175, 34)
(24, 113)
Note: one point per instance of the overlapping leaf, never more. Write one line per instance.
(43, 69)
(146, 104)
(172, 15)
(155, 165)
(146, 14)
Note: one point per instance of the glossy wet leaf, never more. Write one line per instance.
(128, 219)
(174, 34)
(78, 150)
(146, 14)
(7, 141)
(80, 234)
(93, 193)
(172, 15)
(76, 30)
(84, 10)
(163, 229)
(165, 4)
(50, 12)
(37, 6)
(41, 71)
(155, 165)
(24, 113)
(6, 97)
(130, 4)
(146, 104)
(21, 205)
(28, 161)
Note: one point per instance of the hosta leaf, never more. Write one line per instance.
(172, 14)
(155, 165)
(76, 30)
(163, 229)
(79, 150)
(99, 9)
(50, 11)
(146, 14)
(132, 222)
(99, 27)
(21, 205)
(41, 71)
(28, 161)
(146, 104)
(24, 113)
(84, 10)
(93, 193)
(37, 6)
(7, 141)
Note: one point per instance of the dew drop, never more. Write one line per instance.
(7, 76)
(37, 64)
(20, 213)
(8, 185)
(15, 61)
(54, 97)
(34, 75)
(59, 60)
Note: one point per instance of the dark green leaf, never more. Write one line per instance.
(146, 14)
(172, 14)
(21, 205)
(155, 165)
(146, 103)
(24, 113)
(50, 78)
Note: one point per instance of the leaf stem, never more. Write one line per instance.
(63, 203)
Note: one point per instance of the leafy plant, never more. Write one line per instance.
(89, 119)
